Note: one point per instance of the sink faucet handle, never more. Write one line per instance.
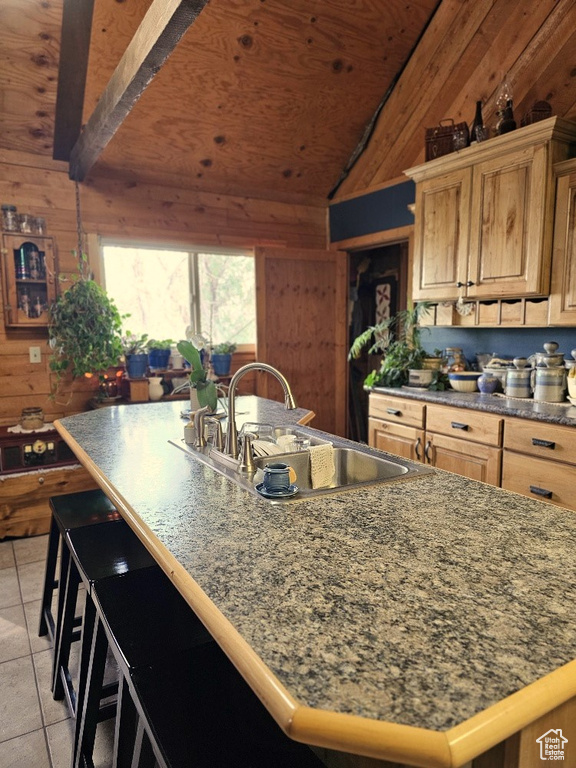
(246, 457)
(199, 417)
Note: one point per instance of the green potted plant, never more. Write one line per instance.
(159, 353)
(398, 338)
(135, 354)
(201, 387)
(221, 358)
(84, 329)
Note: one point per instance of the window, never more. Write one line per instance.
(166, 290)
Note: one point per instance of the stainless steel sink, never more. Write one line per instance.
(355, 468)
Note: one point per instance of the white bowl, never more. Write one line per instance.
(464, 381)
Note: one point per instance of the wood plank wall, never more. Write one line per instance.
(38, 185)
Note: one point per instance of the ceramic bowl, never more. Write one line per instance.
(464, 381)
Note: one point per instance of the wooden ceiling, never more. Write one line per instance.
(271, 98)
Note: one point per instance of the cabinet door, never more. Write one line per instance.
(512, 206)
(441, 235)
(29, 279)
(473, 460)
(396, 438)
(563, 292)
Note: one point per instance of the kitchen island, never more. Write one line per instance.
(425, 622)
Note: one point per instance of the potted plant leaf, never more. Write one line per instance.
(84, 330)
(136, 354)
(200, 385)
(159, 353)
(221, 357)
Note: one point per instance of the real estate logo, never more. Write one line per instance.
(552, 745)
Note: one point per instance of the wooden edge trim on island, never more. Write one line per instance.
(341, 731)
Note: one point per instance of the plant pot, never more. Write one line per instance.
(420, 377)
(158, 359)
(136, 366)
(221, 364)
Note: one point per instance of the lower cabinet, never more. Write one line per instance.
(24, 508)
(473, 460)
(399, 439)
(540, 461)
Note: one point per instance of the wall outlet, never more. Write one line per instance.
(35, 354)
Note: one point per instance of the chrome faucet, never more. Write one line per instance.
(231, 447)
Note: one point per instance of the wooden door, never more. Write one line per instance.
(441, 236)
(301, 299)
(510, 203)
(473, 460)
(407, 442)
(563, 293)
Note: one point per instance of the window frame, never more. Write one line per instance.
(97, 243)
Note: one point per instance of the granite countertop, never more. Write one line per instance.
(420, 603)
(553, 413)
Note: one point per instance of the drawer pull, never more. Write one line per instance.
(544, 443)
(540, 492)
(393, 411)
(417, 449)
(459, 425)
(427, 451)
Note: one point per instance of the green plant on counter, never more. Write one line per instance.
(133, 344)
(84, 329)
(206, 389)
(398, 339)
(225, 348)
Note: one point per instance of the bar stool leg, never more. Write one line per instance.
(87, 714)
(70, 580)
(143, 753)
(125, 728)
(46, 619)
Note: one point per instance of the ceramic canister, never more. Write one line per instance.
(518, 383)
(549, 384)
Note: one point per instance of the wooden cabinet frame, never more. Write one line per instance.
(27, 299)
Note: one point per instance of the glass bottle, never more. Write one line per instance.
(9, 218)
(478, 123)
(507, 123)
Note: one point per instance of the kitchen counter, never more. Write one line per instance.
(420, 621)
(553, 413)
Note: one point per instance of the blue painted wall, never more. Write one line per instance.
(383, 209)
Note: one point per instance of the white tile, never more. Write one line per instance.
(52, 711)
(9, 588)
(31, 549)
(14, 641)
(60, 740)
(19, 705)
(32, 614)
(6, 555)
(31, 576)
(27, 750)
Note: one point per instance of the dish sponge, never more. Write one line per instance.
(322, 467)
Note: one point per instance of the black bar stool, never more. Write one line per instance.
(72, 510)
(97, 552)
(142, 618)
(180, 701)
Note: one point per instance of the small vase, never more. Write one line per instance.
(155, 388)
(488, 383)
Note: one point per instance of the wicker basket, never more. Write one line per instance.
(440, 140)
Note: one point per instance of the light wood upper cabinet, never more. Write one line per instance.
(563, 294)
(484, 216)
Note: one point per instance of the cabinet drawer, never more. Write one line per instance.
(396, 409)
(540, 479)
(550, 441)
(476, 426)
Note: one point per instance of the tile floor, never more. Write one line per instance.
(35, 730)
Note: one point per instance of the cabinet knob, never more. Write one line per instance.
(470, 283)
(41, 480)
(459, 284)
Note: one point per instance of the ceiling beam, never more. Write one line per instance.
(72, 69)
(161, 29)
